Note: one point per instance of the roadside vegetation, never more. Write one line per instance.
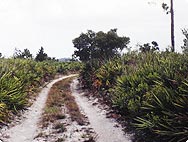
(147, 87)
(21, 78)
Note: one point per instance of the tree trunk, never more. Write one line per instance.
(172, 26)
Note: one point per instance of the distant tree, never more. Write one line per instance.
(41, 56)
(17, 53)
(171, 11)
(23, 55)
(0, 55)
(54, 59)
(185, 41)
(149, 47)
(100, 45)
(26, 54)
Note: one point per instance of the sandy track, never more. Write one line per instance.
(26, 130)
(104, 127)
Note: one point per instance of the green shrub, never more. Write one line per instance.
(149, 88)
(19, 78)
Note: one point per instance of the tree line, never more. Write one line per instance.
(26, 54)
(102, 46)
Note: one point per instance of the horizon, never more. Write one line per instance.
(54, 24)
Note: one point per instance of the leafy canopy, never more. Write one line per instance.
(100, 45)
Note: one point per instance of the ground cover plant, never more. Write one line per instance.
(149, 89)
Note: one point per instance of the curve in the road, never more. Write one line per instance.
(26, 130)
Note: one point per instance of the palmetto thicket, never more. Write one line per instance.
(150, 90)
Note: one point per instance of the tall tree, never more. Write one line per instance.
(171, 11)
(172, 26)
(41, 56)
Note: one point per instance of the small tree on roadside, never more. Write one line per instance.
(41, 56)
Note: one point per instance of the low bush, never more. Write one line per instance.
(149, 89)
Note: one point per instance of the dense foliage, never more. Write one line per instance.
(19, 78)
(100, 45)
(149, 89)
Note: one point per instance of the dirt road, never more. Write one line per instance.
(105, 129)
(26, 130)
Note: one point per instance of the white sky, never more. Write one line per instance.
(53, 24)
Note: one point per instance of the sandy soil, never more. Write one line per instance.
(98, 126)
(107, 129)
(26, 130)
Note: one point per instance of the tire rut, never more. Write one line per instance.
(105, 128)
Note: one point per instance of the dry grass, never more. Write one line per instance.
(73, 109)
(53, 109)
(60, 95)
(60, 127)
(59, 98)
(69, 101)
